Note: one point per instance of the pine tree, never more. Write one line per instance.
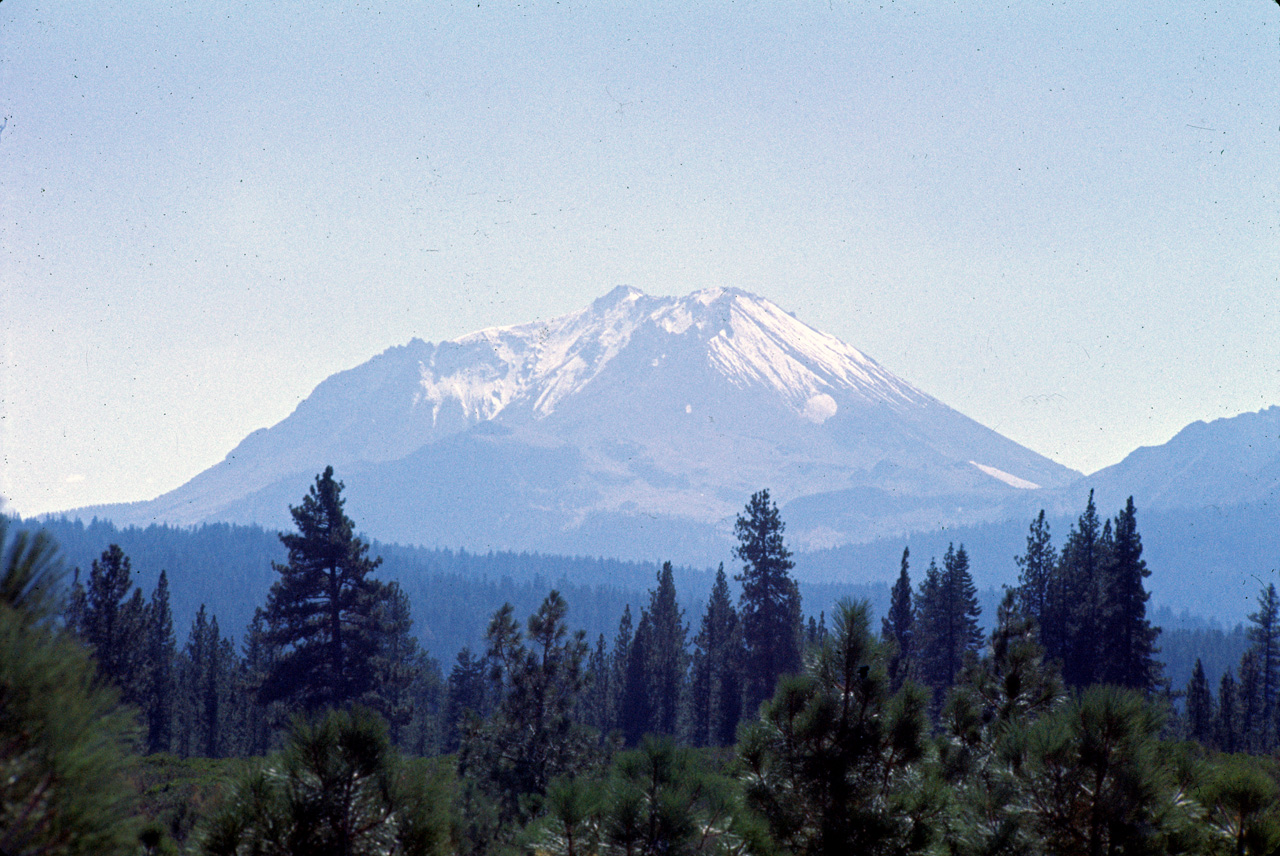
(636, 705)
(833, 763)
(159, 682)
(769, 608)
(531, 737)
(1249, 701)
(1264, 639)
(338, 789)
(323, 612)
(597, 710)
(1200, 714)
(464, 697)
(206, 682)
(898, 626)
(1081, 567)
(258, 654)
(64, 788)
(715, 692)
(1228, 727)
(666, 665)
(1128, 639)
(1040, 590)
(618, 667)
(111, 622)
(946, 621)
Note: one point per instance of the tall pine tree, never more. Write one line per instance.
(715, 703)
(1264, 640)
(899, 626)
(946, 621)
(769, 608)
(1128, 639)
(323, 613)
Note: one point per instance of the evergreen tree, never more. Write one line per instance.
(715, 693)
(666, 659)
(946, 621)
(1041, 593)
(1228, 733)
(618, 668)
(64, 789)
(1128, 639)
(1252, 727)
(464, 697)
(898, 626)
(1081, 566)
(395, 663)
(769, 608)
(1264, 640)
(636, 705)
(206, 680)
(1094, 779)
(256, 662)
(1200, 714)
(111, 623)
(338, 789)
(597, 709)
(833, 763)
(323, 613)
(531, 737)
(159, 687)
(999, 695)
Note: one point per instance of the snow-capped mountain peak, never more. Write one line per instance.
(748, 340)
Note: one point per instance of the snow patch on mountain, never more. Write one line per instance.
(1007, 478)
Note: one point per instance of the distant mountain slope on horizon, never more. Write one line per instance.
(1225, 462)
(636, 425)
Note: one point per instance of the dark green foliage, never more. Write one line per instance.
(510, 758)
(324, 611)
(715, 692)
(1081, 567)
(1264, 643)
(338, 789)
(597, 701)
(1241, 806)
(1093, 778)
(159, 687)
(111, 623)
(1128, 648)
(769, 609)
(1041, 589)
(1228, 733)
(899, 626)
(636, 703)
(208, 699)
(946, 621)
(834, 763)
(663, 801)
(667, 655)
(1200, 712)
(465, 697)
(63, 785)
(1007, 689)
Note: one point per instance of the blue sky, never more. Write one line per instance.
(1063, 219)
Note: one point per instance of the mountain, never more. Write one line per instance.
(1226, 462)
(636, 427)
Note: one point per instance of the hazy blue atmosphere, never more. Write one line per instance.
(1061, 219)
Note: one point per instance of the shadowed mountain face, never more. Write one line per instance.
(637, 426)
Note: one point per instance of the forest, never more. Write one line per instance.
(746, 726)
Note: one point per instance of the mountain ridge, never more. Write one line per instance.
(646, 414)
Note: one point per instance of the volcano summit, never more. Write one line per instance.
(636, 427)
